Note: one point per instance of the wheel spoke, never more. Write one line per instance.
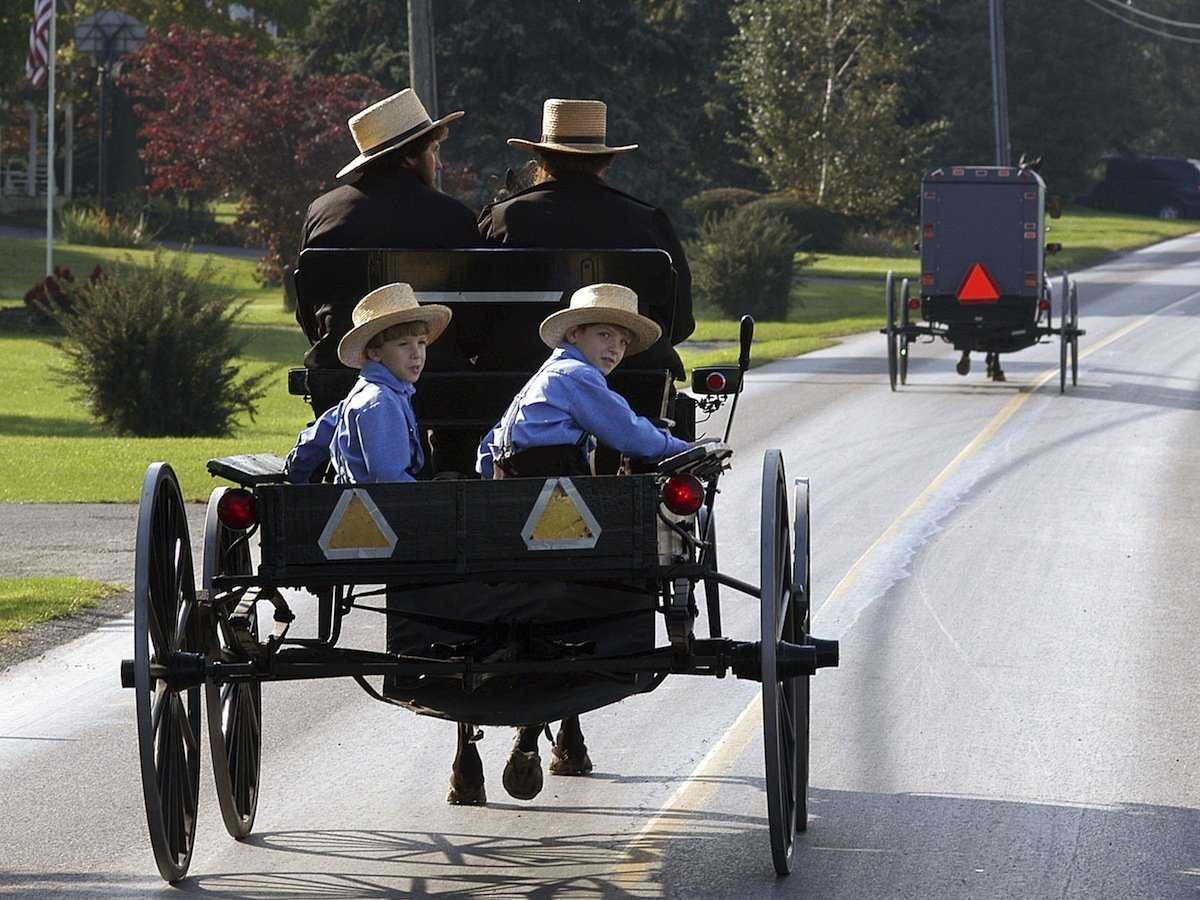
(160, 702)
(185, 727)
(183, 624)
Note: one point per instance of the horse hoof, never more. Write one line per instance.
(463, 794)
(564, 762)
(963, 366)
(523, 774)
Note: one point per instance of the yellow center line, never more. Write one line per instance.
(644, 853)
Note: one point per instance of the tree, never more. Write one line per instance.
(219, 117)
(823, 84)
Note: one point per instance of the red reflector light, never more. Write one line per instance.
(1043, 305)
(715, 381)
(683, 494)
(926, 280)
(914, 303)
(1031, 279)
(978, 286)
(236, 509)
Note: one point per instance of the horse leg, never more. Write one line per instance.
(570, 756)
(523, 771)
(964, 363)
(466, 775)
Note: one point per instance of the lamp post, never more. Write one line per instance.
(107, 36)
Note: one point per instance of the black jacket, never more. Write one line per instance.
(392, 209)
(582, 212)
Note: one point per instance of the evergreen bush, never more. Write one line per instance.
(151, 350)
(744, 262)
(818, 228)
(718, 202)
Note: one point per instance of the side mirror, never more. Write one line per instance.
(1054, 206)
(1054, 248)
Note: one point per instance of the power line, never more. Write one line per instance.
(1175, 23)
(1140, 26)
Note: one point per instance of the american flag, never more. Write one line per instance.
(39, 39)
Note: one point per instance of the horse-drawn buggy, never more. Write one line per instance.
(983, 285)
(505, 602)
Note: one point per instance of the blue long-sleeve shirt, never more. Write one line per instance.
(372, 435)
(566, 401)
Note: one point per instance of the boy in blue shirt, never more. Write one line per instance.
(553, 423)
(550, 428)
(372, 435)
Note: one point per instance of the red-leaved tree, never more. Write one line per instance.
(219, 116)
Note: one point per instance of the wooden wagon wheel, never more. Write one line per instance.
(1074, 334)
(165, 622)
(801, 619)
(890, 329)
(234, 710)
(902, 349)
(1064, 334)
(707, 529)
(781, 699)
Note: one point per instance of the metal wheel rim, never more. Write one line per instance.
(234, 710)
(780, 699)
(902, 352)
(801, 598)
(1074, 335)
(168, 721)
(1064, 334)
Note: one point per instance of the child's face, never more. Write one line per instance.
(404, 357)
(602, 345)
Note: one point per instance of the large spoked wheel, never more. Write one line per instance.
(165, 622)
(802, 615)
(234, 710)
(890, 330)
(1074, 334)
(780, 699)
(707, 525)
(1064, 334)
(902, 342)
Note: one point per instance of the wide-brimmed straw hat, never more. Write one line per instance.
(602, 304)
(573, 126)
(391, 123)
(392, 304)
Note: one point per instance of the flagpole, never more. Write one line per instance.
(50, 143)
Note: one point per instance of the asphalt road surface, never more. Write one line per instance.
(1012, 574)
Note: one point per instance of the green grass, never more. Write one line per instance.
(1087, 237)
(27, 601)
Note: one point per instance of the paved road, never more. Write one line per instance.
(1012, 575)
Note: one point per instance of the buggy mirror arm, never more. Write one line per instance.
(745, 339)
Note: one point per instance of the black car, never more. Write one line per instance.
(1163, 186)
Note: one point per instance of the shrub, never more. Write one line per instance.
(100, 228)
(819, 229)
(51, 296)
(743, 262)
(151, 350)
(718, 202)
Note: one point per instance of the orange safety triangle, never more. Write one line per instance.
(978, 286)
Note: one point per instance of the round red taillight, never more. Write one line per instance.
(683, 494)
(914, 303)
(715, 381)
(236, 509)
(1043, 305)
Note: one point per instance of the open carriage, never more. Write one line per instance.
(983, 285)
(506, 602)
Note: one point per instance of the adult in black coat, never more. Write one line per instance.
(392, 203)
(571, 206)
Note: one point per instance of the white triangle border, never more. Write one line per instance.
(539, 508)
(357, 552)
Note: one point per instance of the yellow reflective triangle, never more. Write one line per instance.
(560, 520)
(357, 528)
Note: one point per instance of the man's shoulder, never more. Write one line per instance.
(549, 189)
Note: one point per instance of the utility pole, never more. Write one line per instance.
(422, 67)
(999, 83)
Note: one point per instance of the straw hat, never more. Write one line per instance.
(573, 126)
(388, 124)
(602, 304)
(392, 304)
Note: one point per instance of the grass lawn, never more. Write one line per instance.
(27, 601)
(50, 450)
(1087, 237)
